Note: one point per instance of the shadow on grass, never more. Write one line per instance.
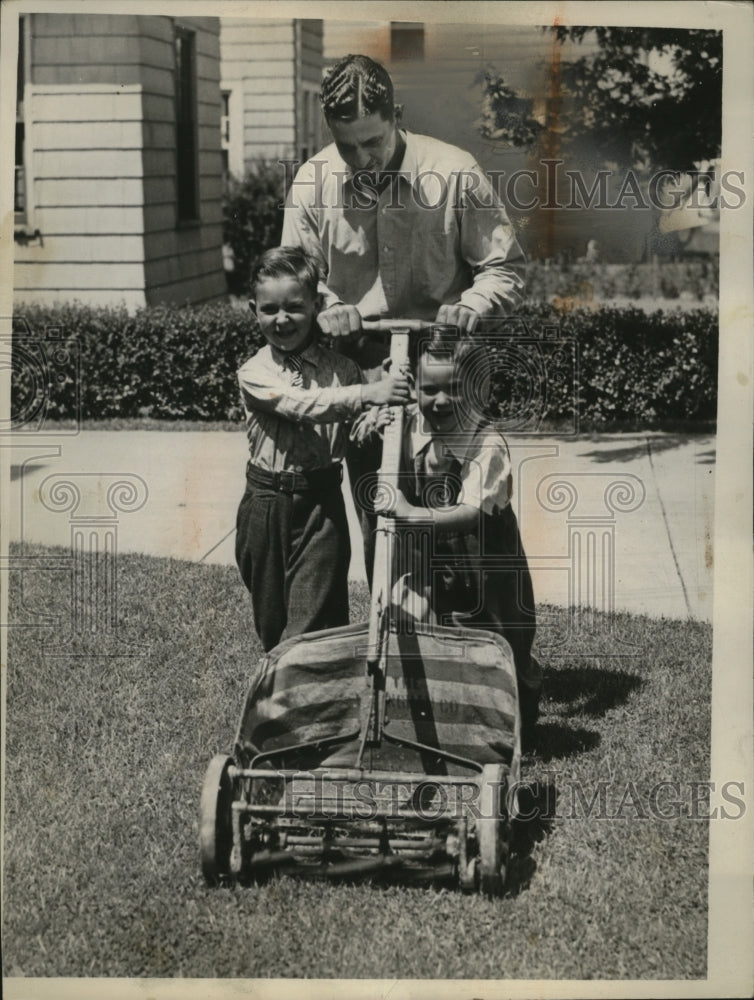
(536, 804)
(589, 690)
(554, 741)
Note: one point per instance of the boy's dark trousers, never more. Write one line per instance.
(293, 551)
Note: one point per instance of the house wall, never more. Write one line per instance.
(85, 175)
(258, 63)
(101, 165)
(183, 261)
(309, 65)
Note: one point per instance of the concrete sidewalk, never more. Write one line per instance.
(622, 521)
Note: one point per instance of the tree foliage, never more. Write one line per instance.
(640, 97)
(253, 218)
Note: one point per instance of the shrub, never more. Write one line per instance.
(633, 368)
(253, 218)
(698, 279)
(163, 362)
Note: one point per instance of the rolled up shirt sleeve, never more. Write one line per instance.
(260, 390)
(301, 224)
(489, 246)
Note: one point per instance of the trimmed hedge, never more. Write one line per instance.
(163, 362)
(632, 368)
(693, 280)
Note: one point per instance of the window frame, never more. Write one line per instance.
(410, 33)
(23, 219)
(187, 202)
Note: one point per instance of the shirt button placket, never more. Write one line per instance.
(386, 242)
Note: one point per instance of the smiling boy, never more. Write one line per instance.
(292, 542)
(457, 486)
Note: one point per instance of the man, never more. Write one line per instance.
(403, 225)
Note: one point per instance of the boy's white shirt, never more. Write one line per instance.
(486, 471)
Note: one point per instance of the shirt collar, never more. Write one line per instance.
(310, 354)
(409, 167)
(458, 445)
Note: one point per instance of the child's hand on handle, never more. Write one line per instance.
(370, 424)
(392, 390)
(391, 502)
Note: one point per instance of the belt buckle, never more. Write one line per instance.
(287, 481)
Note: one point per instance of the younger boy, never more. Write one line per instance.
(292, 543)
(468, 565)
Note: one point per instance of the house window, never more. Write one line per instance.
(406, 40)
(309, 138)
(185, 125)
(225, 136)
(19, 186)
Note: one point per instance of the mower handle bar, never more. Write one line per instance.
(396, 325)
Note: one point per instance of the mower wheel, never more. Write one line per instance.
(491, 827)
(215, 824)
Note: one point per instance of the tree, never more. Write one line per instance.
(646, 98)
(253, 219)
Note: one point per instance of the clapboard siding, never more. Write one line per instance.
(165, 240)
(92, 103)
(101, 131)
(121, 191)
(259, 64)
(187, 290)
(78, 277)
(312, 59)
(86, 248)
(86, 24)
(68, 51)
(91, 220)
(84, 135)
(157, 243)
(90, 163)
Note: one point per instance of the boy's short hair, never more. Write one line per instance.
(292, 262)
(471, 361)
(356, 87)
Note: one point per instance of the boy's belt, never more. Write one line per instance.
(295, 482)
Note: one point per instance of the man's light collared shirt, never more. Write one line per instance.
(437, 234)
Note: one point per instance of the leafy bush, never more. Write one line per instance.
(586, 280)
(615, 366)
(632, 368)
(163, 362)
(253, 218)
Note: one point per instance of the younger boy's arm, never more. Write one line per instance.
(462, 517)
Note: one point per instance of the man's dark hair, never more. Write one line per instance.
(293, 262)
(356, 87)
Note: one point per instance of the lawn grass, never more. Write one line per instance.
(105, 755)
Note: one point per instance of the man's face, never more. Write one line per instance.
(365, 143)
